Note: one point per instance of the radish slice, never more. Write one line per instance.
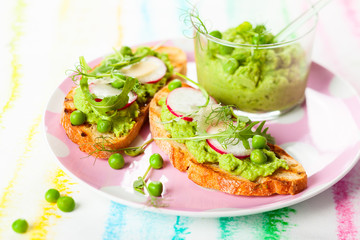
(149, 70)
(237, 150)
(102, 90)
(103, 80)
(184, 101)
(132, 98)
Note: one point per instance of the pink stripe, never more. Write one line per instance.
(344, 190)
(345, 212)
(352, 16)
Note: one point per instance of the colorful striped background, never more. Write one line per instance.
(40, 40)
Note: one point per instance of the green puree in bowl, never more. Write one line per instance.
(253, 78)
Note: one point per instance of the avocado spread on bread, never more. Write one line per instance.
(122, 120)
(203, 153)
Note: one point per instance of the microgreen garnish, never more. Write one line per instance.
(232, 135)
(135, 151)
(197, 21)
(223, 114)
(140, 184)
(108, 104)
(101, 142)
(236, 128)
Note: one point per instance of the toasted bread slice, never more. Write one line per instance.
(282, 181)
(87, 136)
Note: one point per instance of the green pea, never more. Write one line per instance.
(116, 161)
(66, 204)
(174, 84)
(266, 38)
(125, 50)
(258, 142)
(256, 39)
(244, 27)
(117, 84)
(230, 65)
(216, 34)
(260, 28)
(155, 188)
(224, 50)
(103, 126)
(240, 57)
(257, 156)
(77, 117)
(156, 161)
(20, 225)
(52, 195)
(144, 51)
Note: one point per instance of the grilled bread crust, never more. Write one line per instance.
(282, 181)
(87, 136)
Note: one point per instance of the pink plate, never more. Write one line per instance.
(323, 135)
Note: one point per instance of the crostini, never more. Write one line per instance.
(110, 102)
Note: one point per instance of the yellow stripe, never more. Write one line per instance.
(64, 7)
(8, 194)
(15, 63)
(119, 27)
(50, 212)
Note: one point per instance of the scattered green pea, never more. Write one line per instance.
(20, 225)
(224, 50)
(258, 142)
(156, 161)
(230, 65)
(258, 156)
(52, 195)
(103, 126)
(216, 34)
(66, 204)
(77, 117)
(117, 84)
(155, 188)
(174, 84)
(125, 50)
(116, 161)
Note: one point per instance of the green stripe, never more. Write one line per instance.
(228, 226)
(275, 223)
(269, 225)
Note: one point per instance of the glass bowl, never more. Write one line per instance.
(241, 63)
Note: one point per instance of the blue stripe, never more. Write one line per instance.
(115, 222)
(181, 228)
(155, 225)
(183, 8)
(130, 223)
(147, 27)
